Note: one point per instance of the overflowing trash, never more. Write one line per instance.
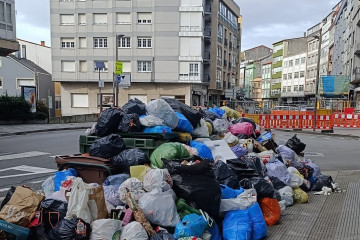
(164, 170)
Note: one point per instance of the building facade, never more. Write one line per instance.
(266, 84)
(8, 43)
(182, 49)
(293, 78)
(313, 35)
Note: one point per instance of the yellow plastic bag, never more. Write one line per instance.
(139, 171)
(209, 128)
(300, 196)
(231, 113)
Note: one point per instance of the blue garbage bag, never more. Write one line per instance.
(116, 180)
(215, 232)
(184, 124)
(259, 228)
(157, 129)
(237, 225)
(60, 176)
(265, 137)
(203, 150)
(191, 225)
(218, 111)
(239, 150)
(228, 193)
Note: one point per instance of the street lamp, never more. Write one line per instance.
(317, 77)
(115, 83)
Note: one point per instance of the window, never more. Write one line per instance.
(124, 42)
(288, 88)
(303, 60)
(220, 30)
(100, 18)
(290, 63)
(301, 88)
(284, 89)
(8, 13)
(284, 76)
(82, 19)
(79, 100)
(297, 61)
(302, 74)
(68, 66)
(219, 54)
(285, 64)
(144, 18)
(123, 18)
(24, 82)
(290, 76)
(67, 19)
(296, 75)
(1, 83)
(105, 69)
(144, 42)
(144, 66)
(296, 88)
(82, 42)
(67, 42)
(82, 66)
(2, 12)
(194, 70)
(100, 42)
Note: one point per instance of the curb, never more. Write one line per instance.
(41, 130)
(319, 133)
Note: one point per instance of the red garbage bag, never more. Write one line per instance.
(271, 210)
(242, 128)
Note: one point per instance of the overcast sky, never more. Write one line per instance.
(264, 21)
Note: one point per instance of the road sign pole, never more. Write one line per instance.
(100, 98)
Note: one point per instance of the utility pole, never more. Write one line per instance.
(115, 83)
(317, 77)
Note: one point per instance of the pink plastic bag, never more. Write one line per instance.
(242, 128)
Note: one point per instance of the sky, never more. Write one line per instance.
(264, 21)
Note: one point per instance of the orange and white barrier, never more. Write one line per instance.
(347, 120)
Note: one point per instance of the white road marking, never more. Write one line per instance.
(4, 189)
(28, 169)
(39, 181)
(22, 155)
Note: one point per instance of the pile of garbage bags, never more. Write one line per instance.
(229, 182)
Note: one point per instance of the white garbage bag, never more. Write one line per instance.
(268, 156)
(243, 201)
(112, 195)
(48, 186)
(133, 231)
(105, 229)
(296, 179)
(231, 139)
(135, 187)
(202, 130)
(161, 109)
(159, 208)
(220, 125)
(279, 170)
(286, 153)
(155, 177)
(282, 205)
(220, 150)
(151, 121)
(287, 195)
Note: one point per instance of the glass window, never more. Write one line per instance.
(290, 63)
(297, 61)
(296, 75)
(284, 76)
(124, 42)
(302, 74)
(301, 88)
(100, 42)
(194, 69)
(144, 66)
(289, 75)
(288, 88)
(144, 42)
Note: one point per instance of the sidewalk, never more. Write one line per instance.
(338, 132)
(8, 130)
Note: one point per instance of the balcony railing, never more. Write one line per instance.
(207, 9)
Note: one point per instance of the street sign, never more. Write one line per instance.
(50, 102)
(125, 80)
(101, 84)
(118, 68)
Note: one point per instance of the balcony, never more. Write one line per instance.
(225, 42)
(356, 78)
(207, 12)
(207, 33)
(225, 63)
(206, 57)
(357, 49)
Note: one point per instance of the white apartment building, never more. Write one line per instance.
(167, 49)
(293, 78)
(8, 42)
(312, 59)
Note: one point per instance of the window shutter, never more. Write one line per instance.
(68, 66)
(123, 18)
(100, 18)
(67, 19)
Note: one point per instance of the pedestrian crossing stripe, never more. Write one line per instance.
(28, 170)
(22, 155)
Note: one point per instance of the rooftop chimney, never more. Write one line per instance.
(42, 43)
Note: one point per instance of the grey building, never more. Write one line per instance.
(168, 48)
(16, 72)
(8, 43)
(338, 50)
(257, 53)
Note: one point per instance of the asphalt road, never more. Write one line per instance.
(29, 159)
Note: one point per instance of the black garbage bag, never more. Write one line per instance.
(277, 183)
(53, 211)
(225, 175)
(7, 197)
(240, 168)
(277, 195)
(303, 169)
(263, 188)
(135, 106)
(107, 147)
(322, 181)
(209, 116)
(244, 119)
(108, 121)
(162, 235)
(246, 183)
(192, 115)
(129, 157)
(295, 144)
(174, 166)
(259, 167)
(130, 123)
(74, 229)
